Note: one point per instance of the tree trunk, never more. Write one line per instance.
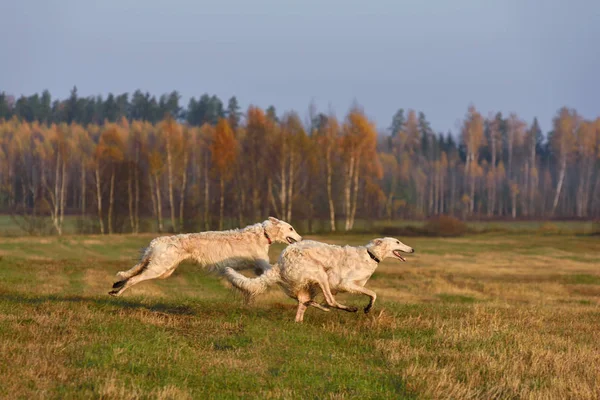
(355, 194)
(510, 156)
(431, 183)
(347, 191)
(206, 193)
(130, 196)
(472, 199)
(241, 201)
(170, 177)
(111, 200)
(596, 197)
(436, 187)
(442, 193)
(99, 198)
(184, 179)
(272, 197)
(159, 215)
(11, 192)
(62, 195)
(586, 182)
(561, 178)
(221, 203)
(283, 188)
(492, 199)
(329, 193)
(153, 197)
(452, 190)
(82, 189)
(514, 202)
(136, 177)
(290, 189)
(311, 206)
(533, 179)
(54, 211)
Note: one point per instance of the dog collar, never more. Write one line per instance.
(268, 238)
(377, 260)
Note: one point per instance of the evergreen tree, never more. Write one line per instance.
(398, 122)
(233, 113)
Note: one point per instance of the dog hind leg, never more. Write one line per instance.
(157, 267)
(146, 275)
(319, 306)
(136, 269)
(303, 301)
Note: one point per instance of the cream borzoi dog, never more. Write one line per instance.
(237, 249)
(305, 266)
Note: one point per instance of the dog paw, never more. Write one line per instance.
(352, 309)
(367, 309)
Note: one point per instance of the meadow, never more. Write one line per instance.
(489, 315)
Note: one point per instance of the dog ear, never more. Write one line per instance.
(274, 220)
(377, 242)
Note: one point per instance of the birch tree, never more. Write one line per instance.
(473, 139)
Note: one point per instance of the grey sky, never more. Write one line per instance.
(527, 56)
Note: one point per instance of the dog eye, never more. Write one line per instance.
(291, 229)
(397, 242)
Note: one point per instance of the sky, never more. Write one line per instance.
(438, 56)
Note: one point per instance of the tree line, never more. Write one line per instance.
(145, 164)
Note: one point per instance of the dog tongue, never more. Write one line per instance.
(397, 253)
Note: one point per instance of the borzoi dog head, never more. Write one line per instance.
(277, 230)
(388, 247)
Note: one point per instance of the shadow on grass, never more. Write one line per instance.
(166, 308)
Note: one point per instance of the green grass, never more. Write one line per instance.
(456, 298)
(583, 279)
(485, 316)
(10, 226)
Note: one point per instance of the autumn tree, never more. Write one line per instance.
(586, 142)
(256, 136)
(473, 139)
(224, 153)
(171, 135)
(109, 153)
(360, 156)
(54, 172)
(288, 138)
(563, 142)
(207, 132)
(328, 139)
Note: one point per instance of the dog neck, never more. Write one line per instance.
(377, 260)
(267, 236)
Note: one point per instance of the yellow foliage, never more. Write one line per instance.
(224, 149)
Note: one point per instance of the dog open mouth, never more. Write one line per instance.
(290, 240)
(397, 254)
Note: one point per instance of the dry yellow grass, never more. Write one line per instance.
(481, 317)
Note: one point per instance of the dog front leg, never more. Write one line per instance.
(354, 288)
(323, 282)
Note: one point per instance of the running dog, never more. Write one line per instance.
(236, 249)
(307, 266)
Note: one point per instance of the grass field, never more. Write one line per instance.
(482, 316)
(14, 226)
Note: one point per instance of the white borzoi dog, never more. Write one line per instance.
(237, 249)
(306, 266)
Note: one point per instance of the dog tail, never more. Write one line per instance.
(136, 269)
(253, 286)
